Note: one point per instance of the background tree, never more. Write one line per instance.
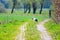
(41, 3)
(14, 4)
(34, 7)
(27, 7)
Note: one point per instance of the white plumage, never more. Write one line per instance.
(35, 19)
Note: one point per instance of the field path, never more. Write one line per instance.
(22, 32)
(43, 32)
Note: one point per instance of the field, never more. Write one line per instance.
(9, 24)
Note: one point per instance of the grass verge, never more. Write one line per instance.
(54, 29)
(10, 30)
(31, 32)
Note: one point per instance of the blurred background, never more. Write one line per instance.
(8, 4)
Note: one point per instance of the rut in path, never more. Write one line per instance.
(43, 32)
(22, 32)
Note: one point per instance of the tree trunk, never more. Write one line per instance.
(29, 7)
(49, 13)
(34, 7)
(56, 10)
(41, 6)
(14, 4)
(12, 9)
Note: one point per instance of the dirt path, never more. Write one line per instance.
(22, 32)
(43, 32)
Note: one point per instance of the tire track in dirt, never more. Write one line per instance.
(43, 32)
(21, 36)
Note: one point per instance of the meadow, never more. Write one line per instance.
(10, 24)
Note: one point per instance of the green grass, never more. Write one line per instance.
(31, 32)
(9, 23)
(9, 31)
(54, 29)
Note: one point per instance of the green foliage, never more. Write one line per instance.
(54, 29)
